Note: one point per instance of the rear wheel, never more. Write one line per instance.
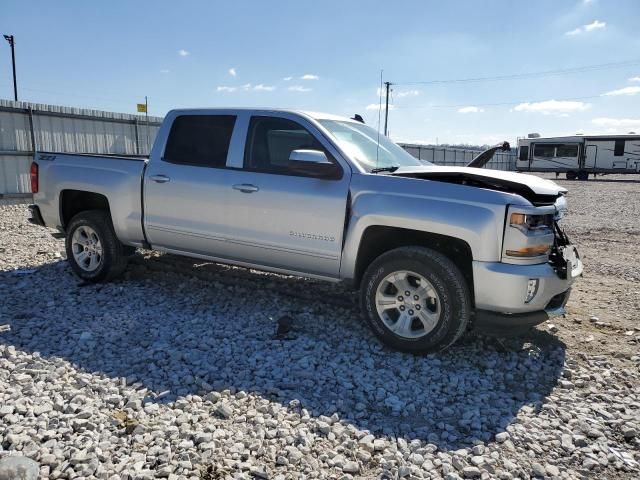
(415, 300)
(582, 175)
(93, 250)
(571, 175)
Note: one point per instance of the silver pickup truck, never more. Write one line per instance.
(433, 250)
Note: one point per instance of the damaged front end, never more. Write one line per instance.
(564, 256)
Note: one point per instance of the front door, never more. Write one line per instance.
(283, 219)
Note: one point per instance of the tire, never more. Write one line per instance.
(105, 257)
(571, 175)
(582, 175)
(435, 284)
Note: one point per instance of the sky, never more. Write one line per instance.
(331, 56)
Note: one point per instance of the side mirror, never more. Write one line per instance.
(313, 163)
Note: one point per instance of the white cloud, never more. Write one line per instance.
(590, 27)
(309, 76)
(407, 93)
(287, 79)
(595, 25)
(552, 107)
(470, 109)
(232, 72)
(247, 87)
(183, 53)
(375, 106)
(164, 70)
(634, 79)
(617, 122)
(298, 88)
(623, 91)
(264, 88)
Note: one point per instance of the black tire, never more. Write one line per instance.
(571, 175)
(447, 281)
(582, 175)
(113, 259)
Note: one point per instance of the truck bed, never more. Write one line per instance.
(118, 178)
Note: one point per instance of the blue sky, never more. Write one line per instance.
(327, 56)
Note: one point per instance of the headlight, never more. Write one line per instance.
(533, 224)
(528, 236)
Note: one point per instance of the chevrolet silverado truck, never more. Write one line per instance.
(433, 250)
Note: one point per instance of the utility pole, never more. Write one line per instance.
(146, 117)
(11, 40)
(386, 107)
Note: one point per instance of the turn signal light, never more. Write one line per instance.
(534, 251)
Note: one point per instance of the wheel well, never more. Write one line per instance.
(378, 240)
(73, 202)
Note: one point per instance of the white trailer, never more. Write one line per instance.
(580, 155)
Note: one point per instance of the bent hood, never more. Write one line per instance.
(538, 191)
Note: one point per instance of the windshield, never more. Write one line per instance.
(361, 144)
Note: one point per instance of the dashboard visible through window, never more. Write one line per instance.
(271, 140)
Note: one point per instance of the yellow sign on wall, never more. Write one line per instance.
(142, 107)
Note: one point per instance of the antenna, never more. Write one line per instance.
(386, 109)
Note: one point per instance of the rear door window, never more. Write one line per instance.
(200, 140)
(524, 153)
(618, 148)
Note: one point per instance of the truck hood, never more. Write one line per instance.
(538, 191)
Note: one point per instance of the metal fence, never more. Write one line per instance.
(459, 156)
(28, 127)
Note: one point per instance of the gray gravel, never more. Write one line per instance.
(175, 371)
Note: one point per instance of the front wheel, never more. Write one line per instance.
(416, 300)
(93, 250)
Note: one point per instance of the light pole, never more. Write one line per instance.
(11, 40)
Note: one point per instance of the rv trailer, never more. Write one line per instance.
(579, 155)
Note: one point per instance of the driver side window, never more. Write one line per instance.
(270, 141)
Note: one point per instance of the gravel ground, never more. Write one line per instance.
(176, 371)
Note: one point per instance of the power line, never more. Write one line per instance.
(404, 107)
(519, 76)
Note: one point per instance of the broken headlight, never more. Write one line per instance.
(528, 235)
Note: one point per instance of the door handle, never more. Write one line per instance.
(245, 187)
(159, 178)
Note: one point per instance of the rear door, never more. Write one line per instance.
(187, 185)
(279, 218)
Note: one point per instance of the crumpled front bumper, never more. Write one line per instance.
(501, 289)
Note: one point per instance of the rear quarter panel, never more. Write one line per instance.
(118, 179)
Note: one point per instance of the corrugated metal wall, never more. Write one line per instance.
(25, 127)
(459, 157)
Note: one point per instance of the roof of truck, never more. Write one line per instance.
(314, 115)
